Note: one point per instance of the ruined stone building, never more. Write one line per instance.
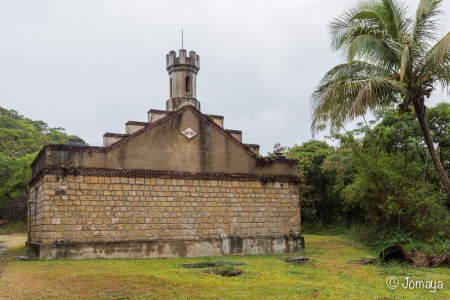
(178, 185)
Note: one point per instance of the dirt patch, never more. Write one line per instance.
(212, 264)
(9, 241)
(226, 271)
(106, 286)
(2, 249)
(365, 261)
(3, 262)
(13, 240)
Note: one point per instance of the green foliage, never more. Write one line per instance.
(438, 118)
(20, 141)
(321, 203)
(8, 166)
(20, 136)
(14, 188)
(16, 183)
(394, 180)
(378, 237)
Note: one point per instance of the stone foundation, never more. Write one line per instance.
(170, 249)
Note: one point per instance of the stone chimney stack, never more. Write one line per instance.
(183, 72)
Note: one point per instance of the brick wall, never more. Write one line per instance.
(102, 209)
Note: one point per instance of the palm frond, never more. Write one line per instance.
(349, 91)
(366, 32)
(426, 27)
(434, 65)
(359, 19)
(438, 54)
(378, 50)
(397, 22)
(441, 76)
(405, 61)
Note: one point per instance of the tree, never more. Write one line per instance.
(20, 141)
(439, 120)
(317, 201)
(391, 58)
(320, 200)
(391, 180)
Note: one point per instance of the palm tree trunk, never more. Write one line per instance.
(420, 113)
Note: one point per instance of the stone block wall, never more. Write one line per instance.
(79, 209)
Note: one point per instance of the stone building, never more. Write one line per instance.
(178, 185)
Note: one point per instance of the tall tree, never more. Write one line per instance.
(390, 58)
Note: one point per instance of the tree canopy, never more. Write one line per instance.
(20, 140)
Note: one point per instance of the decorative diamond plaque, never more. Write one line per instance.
(189, 133)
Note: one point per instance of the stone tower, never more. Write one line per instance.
(183, 72)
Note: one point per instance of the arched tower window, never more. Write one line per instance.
(187, 84)
(170, 87)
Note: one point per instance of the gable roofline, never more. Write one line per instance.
(169, 116)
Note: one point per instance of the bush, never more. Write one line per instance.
(14, 210)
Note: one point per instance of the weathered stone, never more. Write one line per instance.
(296, 259)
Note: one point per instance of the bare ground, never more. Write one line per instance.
(12, 240)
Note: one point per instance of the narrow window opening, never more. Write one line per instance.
(187, 84)
(35, 201)
(170, 87)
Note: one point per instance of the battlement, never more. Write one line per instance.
(193, 60)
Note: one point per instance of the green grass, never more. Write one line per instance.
(12, 227)
(328, 275)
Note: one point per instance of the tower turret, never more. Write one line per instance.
(183, 72)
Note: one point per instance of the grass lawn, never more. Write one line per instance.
(328, 275)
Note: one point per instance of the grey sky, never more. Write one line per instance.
(91, 66)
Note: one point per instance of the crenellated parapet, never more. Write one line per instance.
(182, 61)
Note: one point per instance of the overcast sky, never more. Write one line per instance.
(91, 66)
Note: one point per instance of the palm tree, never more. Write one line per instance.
(390, 58)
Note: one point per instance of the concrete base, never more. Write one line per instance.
(171, 249)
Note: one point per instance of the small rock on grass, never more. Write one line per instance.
(295, 259)
(23, 257)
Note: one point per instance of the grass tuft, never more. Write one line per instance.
(227, 271)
